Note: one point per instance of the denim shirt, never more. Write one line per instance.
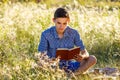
(50, 41)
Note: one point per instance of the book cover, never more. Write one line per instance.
(67, 54)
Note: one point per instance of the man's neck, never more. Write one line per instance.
(60, 35)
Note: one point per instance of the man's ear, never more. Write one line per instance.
(53, 19)
(68, 20)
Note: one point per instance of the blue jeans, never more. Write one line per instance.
(71, 65)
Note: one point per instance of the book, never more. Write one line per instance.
(67, 54)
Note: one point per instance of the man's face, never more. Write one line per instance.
(61, 24)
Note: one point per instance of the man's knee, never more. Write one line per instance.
(92, 59)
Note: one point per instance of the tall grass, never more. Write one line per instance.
(21, 26)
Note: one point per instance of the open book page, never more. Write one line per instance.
(62, 49)
(67, 54)
(67, 48)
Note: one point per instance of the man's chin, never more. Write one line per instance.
(61, 31)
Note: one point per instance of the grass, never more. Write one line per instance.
(21, 26)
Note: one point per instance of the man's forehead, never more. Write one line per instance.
(62, 20)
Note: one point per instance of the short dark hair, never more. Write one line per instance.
(61, 13)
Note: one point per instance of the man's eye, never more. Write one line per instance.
(58, 22)
(65, 23)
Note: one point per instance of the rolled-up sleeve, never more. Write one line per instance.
(43, 43)
(78, 41)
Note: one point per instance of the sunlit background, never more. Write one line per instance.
(21, 24)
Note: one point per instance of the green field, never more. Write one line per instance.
(21, 25)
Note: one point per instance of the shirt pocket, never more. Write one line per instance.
(69, 43)
(52, 45)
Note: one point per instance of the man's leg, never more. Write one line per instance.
(86, 64)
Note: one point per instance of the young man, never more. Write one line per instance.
(62, 36)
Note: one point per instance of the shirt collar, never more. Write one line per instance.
(66, 34)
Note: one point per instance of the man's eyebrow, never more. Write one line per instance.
(65, 23)
(59, 22)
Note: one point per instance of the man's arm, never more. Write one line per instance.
(43, 44)
(84, 54)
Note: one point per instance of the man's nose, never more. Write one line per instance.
(61, 25)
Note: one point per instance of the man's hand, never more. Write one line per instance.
(82, 55)
(78, 57)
